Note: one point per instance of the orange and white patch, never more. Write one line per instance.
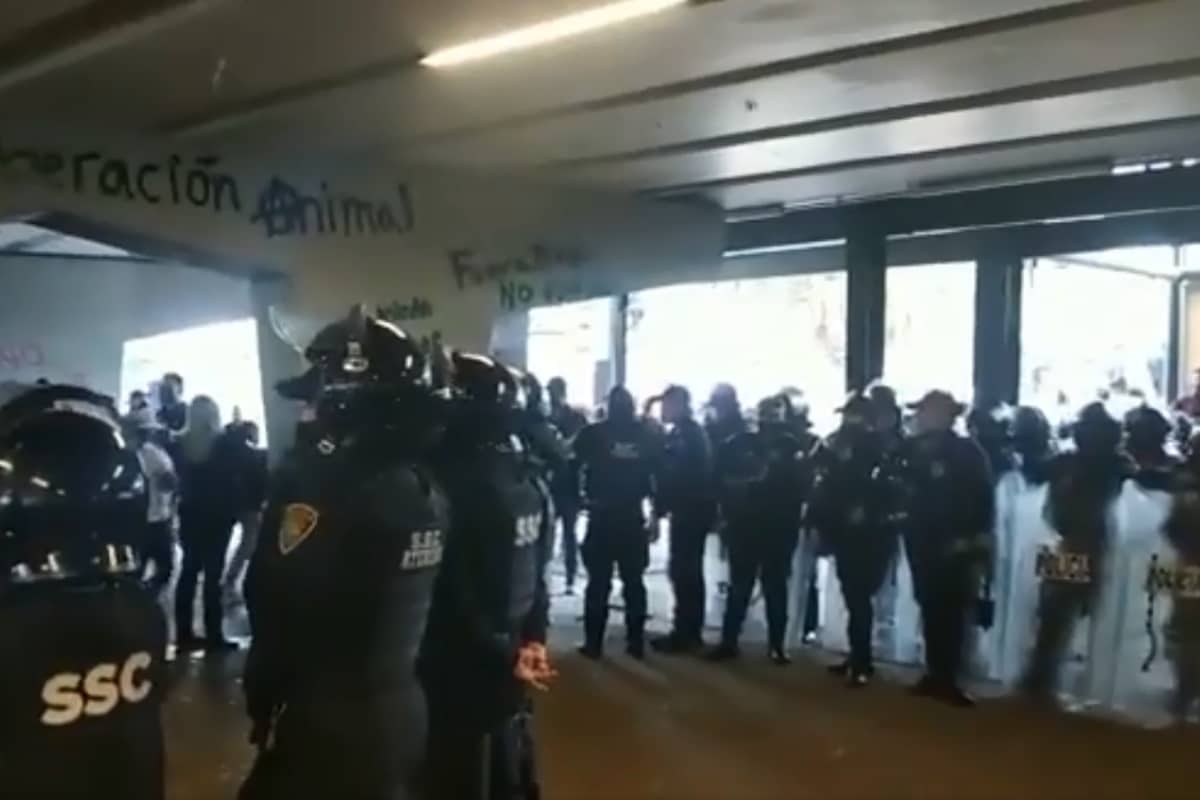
(298, 523)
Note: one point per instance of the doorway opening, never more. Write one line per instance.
(219, 360)
(574, 341)
(1097, 326)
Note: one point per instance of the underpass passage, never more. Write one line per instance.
(683, 728)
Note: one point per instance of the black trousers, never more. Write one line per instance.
(204, 536)
(159, 552)
(615, 540)
(685, 567)
(368, 748)
(1060, 607)
(946, 590)
(476, 760)
(861, 562)
(568, 515)
(766, 557)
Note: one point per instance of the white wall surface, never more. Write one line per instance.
(67, 319)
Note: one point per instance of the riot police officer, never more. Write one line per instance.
(685, 495)
(487, 628)
(1182, 529)
(1083, 485)
(341, 581)
(854, 509)
(949, 527)
(1032, 444)
(724, 415)
(763, 480)
(1146, 432)
(618, 458)
(564, 485)
(81, 641)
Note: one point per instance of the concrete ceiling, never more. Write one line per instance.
(743, 102)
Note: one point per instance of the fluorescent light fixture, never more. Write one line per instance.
(1159, 166)
(547, 32)
(1128, 169)
(796, 247)
(1190, 162)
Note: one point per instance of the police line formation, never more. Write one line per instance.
(398, 601)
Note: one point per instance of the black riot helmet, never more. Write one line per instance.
(1095, 431)
(1146, 430)
(775, 413)
(360, 369)
(489, 398)
(72, 494)
(621, 407)
(1030, 432)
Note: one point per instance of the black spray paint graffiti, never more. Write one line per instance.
(470, 270)
(282, 209)
(518, 295)
(400, 311)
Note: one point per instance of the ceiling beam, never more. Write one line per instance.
(248, 111)
(88, 31)
(1173, 190)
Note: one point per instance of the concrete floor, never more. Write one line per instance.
(682, 728)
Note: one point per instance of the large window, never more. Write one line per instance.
(573, 341)
(760, 335)
(930, 329)
(1095, 325)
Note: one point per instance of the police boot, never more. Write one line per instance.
(725, 651)
(779, 656)
(635, 640)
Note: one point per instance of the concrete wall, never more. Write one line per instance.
(67, 319)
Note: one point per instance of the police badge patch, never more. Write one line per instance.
(299, 521)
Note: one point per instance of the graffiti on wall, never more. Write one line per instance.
(21, 355)
(280, 208)
(405, 310)
(541, 275)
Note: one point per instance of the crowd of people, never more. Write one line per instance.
(205, 480)
(891, 487)
(398, 604)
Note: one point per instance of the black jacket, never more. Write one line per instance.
(491, 596)
(338, 593)
(686, 477)
(618, 463)
(81, 689)
(951, 503)
(764, 478)
(858, 495)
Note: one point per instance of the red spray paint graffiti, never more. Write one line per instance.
(21, 355)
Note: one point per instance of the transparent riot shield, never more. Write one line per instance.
(1021, 534)
(804, 571)
(1127, 674)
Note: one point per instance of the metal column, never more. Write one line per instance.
(866, 286)
(997, 368)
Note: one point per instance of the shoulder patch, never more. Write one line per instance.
(298, 523)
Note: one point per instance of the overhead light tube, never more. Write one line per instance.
(547, 32)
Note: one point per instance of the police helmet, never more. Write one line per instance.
(775, 410)
(1095, 431)
(357, 353)
(1029, 429)
(886, 406)
(489, 398)
(857, 409)
(1146, 427)
(72, 495)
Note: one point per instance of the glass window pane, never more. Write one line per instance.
(1087, 329)
(573, 341)
(930, 329)
(760, 335)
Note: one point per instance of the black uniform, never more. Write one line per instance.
(950, 513)
(81, 641)
(1182, 529)
(1083, 485)
(685, 492)
(564, 488)
(763, 478)
(341, 582)
(617, 458)
(490, 600)
(854, 509)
